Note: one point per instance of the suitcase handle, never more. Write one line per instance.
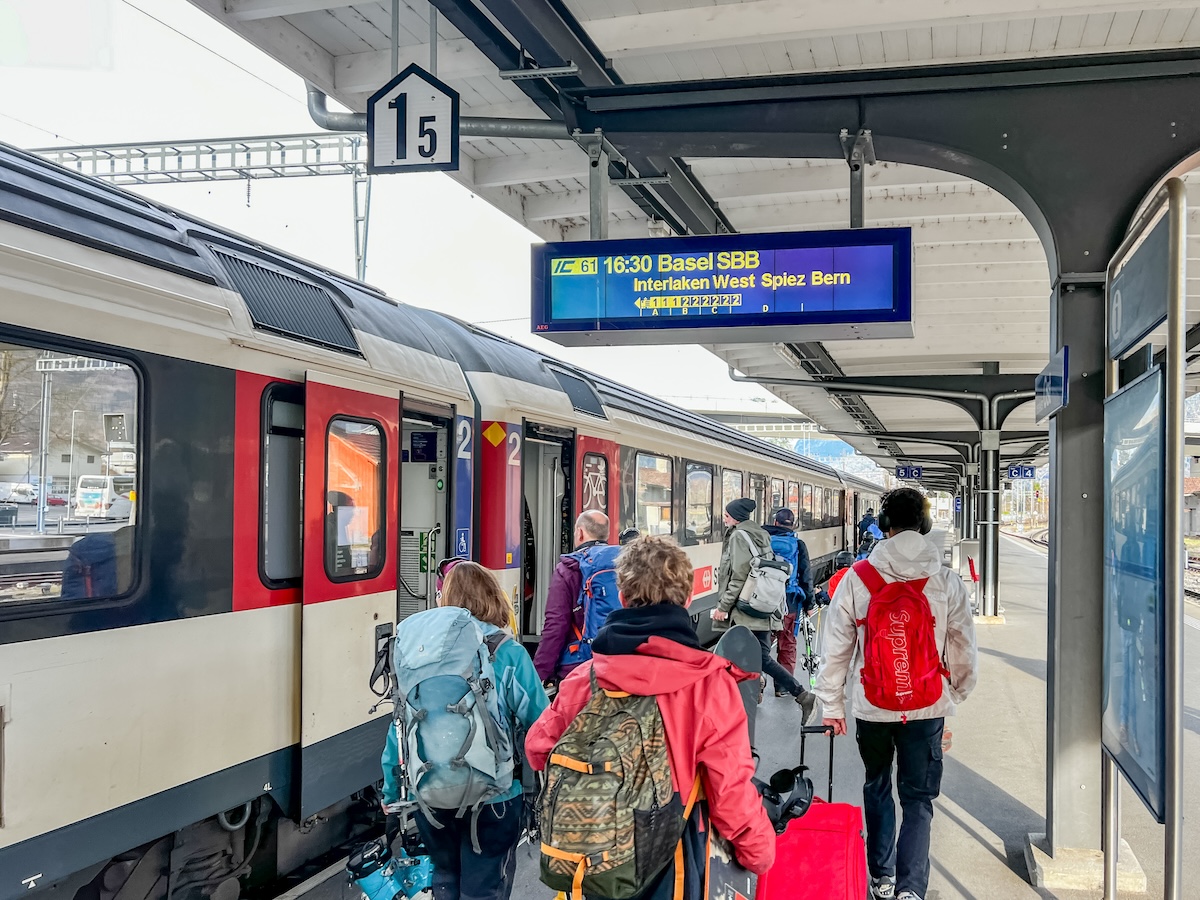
(806, 730)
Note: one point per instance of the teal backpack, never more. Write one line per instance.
(457, 750)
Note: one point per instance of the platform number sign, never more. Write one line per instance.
(909, 473)
(412, 125)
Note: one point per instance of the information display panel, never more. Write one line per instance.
(1132, 727)
(803, 285)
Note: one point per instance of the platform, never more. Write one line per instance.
(993, 793)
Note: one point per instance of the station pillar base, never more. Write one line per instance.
(1080, 870)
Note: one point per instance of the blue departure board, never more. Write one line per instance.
(814, 285)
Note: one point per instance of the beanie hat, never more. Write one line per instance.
(785, 518)
(741, 508)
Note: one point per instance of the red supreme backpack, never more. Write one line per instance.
(902, 669)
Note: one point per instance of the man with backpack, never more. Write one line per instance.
(865, 523)
(746, 579)
(900, 633)
(646, 750)
(786, 545)
(583, 591)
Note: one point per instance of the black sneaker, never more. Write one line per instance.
(779, 693)
(883, 888)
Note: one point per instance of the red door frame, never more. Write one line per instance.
(322, 403)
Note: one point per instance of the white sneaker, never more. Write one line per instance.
(909, 895)
(883, 888)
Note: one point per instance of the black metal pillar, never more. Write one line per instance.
(989, 533)
(1075, 595)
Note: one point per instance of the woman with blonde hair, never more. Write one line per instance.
(475, 856)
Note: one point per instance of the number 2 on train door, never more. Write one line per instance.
(514, 448)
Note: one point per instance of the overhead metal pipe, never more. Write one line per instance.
(468, 126)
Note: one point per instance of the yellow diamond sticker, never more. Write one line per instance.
(495, 433)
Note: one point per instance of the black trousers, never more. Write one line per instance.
(916, 747)
(459, 873)
(784, 680)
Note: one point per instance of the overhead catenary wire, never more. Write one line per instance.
(220, 56)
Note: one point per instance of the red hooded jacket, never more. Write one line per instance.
(702, 712)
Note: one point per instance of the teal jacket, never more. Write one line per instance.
(522, 699)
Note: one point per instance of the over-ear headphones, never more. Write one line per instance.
(885, 524)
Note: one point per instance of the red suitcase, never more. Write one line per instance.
(823, 854)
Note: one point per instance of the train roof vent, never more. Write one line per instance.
(583, 396)
(288, 306)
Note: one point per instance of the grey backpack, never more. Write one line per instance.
(457, 750)
(764, 595)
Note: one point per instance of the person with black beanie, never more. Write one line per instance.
(736, 556)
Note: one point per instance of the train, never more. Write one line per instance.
(186, 704)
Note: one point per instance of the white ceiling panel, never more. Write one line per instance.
(980, 278)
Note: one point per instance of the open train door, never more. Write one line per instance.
(351, 531)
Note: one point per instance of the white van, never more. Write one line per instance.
(104, 496)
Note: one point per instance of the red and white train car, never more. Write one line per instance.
(185, 707)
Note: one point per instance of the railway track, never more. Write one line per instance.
(30, 579)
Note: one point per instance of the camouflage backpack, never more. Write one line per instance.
(610, 818)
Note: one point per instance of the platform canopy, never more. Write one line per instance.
(982, 279)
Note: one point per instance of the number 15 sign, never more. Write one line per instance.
(412, 125)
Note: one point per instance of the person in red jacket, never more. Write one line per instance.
(650, 648)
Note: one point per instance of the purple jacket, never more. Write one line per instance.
(561, 618)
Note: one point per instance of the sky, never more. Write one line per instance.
(153, 70)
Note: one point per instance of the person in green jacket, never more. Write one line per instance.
(734, 569)
(458, 870)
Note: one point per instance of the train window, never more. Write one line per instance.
(839, 504)
(595, 482)
(354, 499)
(793, 498)
(776, 495)
(827, 508)
(808, 515)
(72, 494)
(282, 465)
(652, 488)
(758, 493)
(698, 526)
(732, 487)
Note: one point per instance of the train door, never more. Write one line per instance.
(758, 493)
(351, 506)
(424, 508)
(548, 462)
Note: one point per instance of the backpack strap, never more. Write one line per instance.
(495, 641)
(870, 576)
(750, 542)
(687, 813)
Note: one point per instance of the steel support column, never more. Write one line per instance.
(597, 186)
(1075, 591)
(989, 538)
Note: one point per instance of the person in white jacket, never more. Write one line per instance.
(913, 739)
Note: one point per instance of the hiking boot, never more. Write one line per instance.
(808, 706)
(883, 888)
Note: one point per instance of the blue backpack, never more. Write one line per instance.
(787, 548)
(457, 750)
(597, 598)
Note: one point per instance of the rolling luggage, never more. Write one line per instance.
(823, 854)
